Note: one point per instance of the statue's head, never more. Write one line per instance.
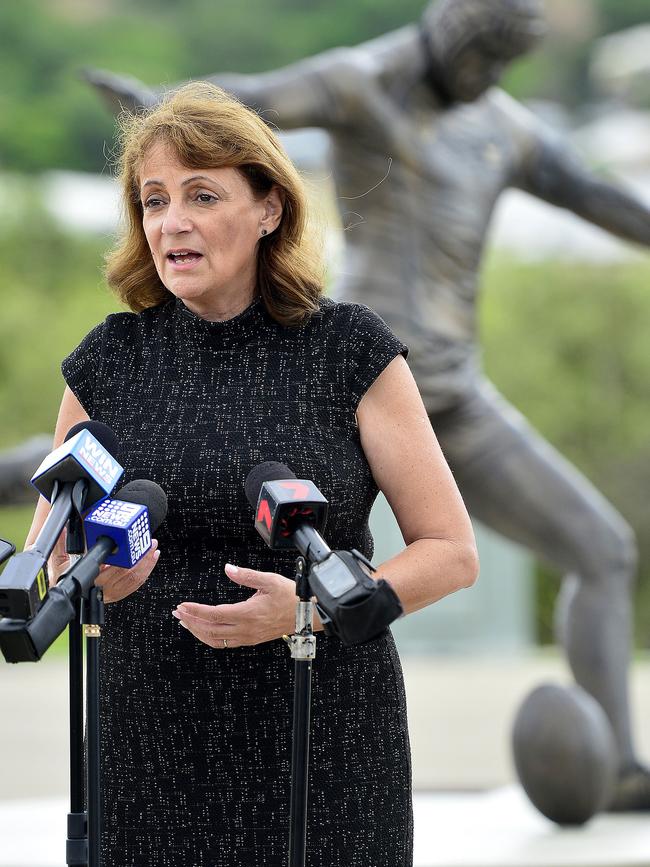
(470, 42)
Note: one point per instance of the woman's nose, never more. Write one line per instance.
(176, 220)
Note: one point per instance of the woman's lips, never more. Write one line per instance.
(184, 260)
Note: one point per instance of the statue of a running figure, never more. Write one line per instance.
(423, 146)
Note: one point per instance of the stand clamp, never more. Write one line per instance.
(302, 643)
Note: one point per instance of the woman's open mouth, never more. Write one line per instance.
(183, 258)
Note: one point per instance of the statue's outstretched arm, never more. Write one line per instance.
(553, 173)
(317, 91)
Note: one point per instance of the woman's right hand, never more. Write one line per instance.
(118, 583)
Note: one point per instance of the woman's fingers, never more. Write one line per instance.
(266, 615)
(211, 613)
(211, 633)
(251, 577)
(119, 583)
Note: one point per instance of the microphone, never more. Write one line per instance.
(77, 474)
(75, 541)
(22, 641)
(284, 503)
(88, 454)
(289, 512)
(122, 526)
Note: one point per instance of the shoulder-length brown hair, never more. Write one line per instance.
(208, 128)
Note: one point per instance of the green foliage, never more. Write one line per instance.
(567, 345)
(49, 117)
(52, 293)
(283, 30)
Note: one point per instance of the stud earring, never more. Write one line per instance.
(263, 231)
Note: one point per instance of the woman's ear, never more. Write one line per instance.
(272, 214)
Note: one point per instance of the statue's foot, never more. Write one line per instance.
(632, 790)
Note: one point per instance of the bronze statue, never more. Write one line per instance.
(423, 144)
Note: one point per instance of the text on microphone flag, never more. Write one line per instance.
(94, 456)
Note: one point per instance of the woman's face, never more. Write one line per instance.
(203, 227)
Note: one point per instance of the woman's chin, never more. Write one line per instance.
(184, 290)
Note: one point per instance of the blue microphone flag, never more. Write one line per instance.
(126, 524)
(81, 457)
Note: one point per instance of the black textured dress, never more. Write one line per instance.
(196, 741)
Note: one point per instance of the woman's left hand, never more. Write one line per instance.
(267, 614)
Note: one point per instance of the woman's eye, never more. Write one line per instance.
(206, 198)
(151, 202)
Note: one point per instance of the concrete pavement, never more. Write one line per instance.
(468, 812)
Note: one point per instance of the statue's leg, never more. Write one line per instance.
(516, 483)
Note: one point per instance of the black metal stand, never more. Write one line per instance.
(303, 650)
(93, 618)
(83, 844)
(77, 842)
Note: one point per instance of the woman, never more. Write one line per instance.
(230, 358)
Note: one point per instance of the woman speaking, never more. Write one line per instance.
(231, 356)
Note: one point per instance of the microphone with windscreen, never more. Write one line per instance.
(289, 513)
(89, 453)
(284, 503)
(80, 472)
(122, 526)
(75, 540)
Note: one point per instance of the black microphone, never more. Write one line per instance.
(289, 512)
(74, 476)
(27, 641)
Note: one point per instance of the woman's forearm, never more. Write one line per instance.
(428, 570)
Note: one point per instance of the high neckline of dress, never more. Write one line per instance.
(232, 321)
(241, 326)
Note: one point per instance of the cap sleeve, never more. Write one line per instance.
(82, 368)
(371, 347)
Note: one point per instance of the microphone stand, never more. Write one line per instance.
(83, 844)
(77, 840)
(84, 821)
(303, 650)
(93, 620)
